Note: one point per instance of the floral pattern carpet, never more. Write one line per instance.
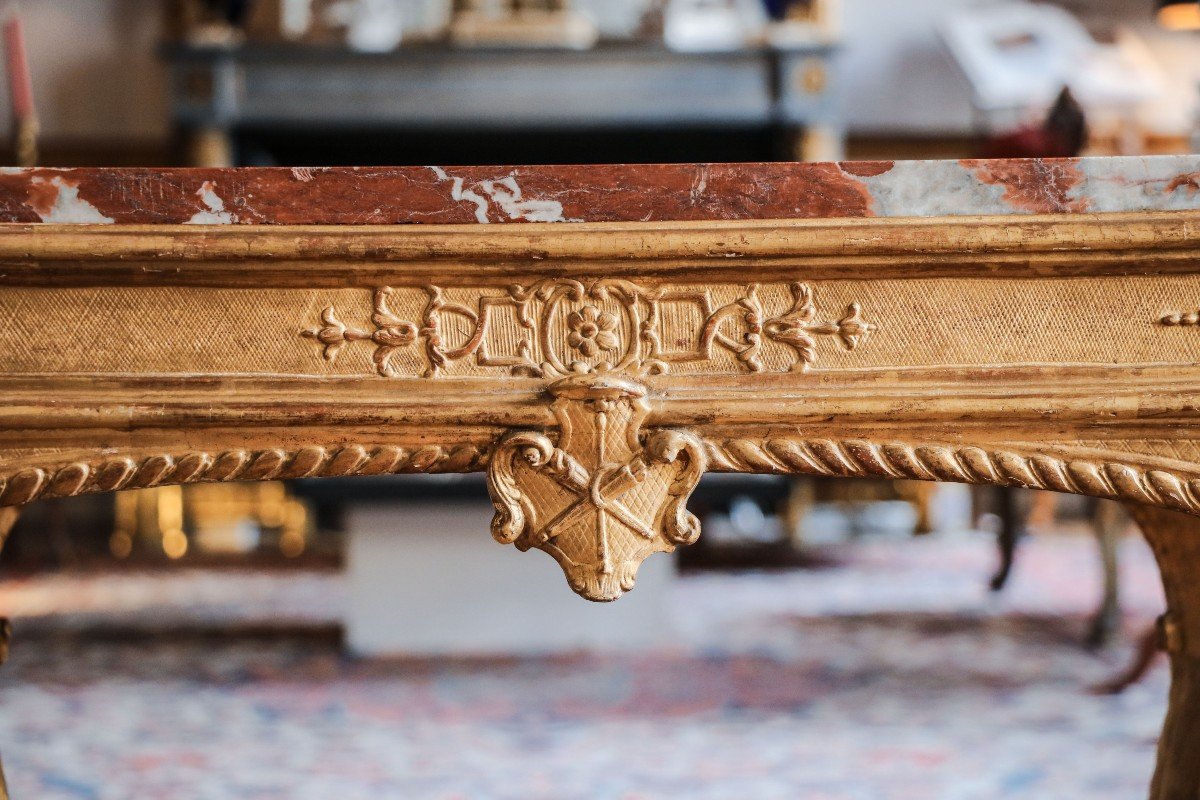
(892, 675)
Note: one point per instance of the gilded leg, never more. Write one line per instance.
(1175, 539)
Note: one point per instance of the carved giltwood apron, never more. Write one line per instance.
(622, 331)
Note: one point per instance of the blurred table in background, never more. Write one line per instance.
(218, 91)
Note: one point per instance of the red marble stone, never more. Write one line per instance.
(601, 193)
(1040, 186)
(867, 169)
(378, 195)
(1189, 181)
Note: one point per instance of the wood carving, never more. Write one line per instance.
(391, 333)
(600, 500)
(33, 483)
(613, 325)
(1186, 320)
(987, 330)
(1119, 476)
(961, 464)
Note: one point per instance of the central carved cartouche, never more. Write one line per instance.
(601, 499)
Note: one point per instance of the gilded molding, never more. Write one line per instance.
(959, 464)
(312, 461)
(1189, 319)
(1108, 478)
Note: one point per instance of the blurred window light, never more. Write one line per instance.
(1179, 15)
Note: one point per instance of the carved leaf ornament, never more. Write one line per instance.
(607, 325)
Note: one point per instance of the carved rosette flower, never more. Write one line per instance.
(592, 330)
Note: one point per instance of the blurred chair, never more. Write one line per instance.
(1014, 509)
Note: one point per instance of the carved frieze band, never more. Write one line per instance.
(601, 326)
(233, 465)
(849, 458)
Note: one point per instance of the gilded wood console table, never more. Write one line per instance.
(1024, 323)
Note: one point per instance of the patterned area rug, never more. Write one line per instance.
(894, 675)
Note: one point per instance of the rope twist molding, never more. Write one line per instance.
(112, 474)
(959, 464)
(843, 458)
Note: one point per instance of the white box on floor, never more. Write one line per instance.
(428, 579)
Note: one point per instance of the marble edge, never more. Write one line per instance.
(598, 193)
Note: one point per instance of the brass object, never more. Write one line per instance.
(169, 518)
(25, 140)
(813, 77)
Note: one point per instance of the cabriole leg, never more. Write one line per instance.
(1175, 539)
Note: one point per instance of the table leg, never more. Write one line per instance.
(8, 518)
(1175, 539)
(1109, 523)
(1012, 513)
(209, 147)
(818, 143)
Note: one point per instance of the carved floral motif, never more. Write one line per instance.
(391, 334)
(600, 326)
(592, 330)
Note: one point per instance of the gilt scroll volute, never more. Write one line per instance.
(601, 497)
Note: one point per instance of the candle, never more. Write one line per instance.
(19, 86)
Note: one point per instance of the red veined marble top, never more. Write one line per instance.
(598, 193)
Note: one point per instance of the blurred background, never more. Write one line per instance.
(366, 638)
